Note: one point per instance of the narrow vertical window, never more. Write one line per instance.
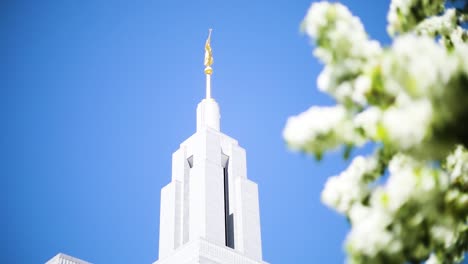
(228, 217)
(186, 203)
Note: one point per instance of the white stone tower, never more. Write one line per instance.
(209, 210)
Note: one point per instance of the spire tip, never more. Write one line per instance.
(208, 63)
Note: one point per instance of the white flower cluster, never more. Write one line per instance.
(345, 47)
(319, 128)
(394, 90)
(408, 202)
(408, 181)
(404, 15)
(429, 19)
(417, 66)
(433, 260)
(444, 23)
(389, 220)
(406, 125)
(351, 186)
(457, 167)
(370, 235)
(345, 35)
(369, 122)
(457, 164)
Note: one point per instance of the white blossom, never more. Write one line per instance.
(370, 236)
(446, 234)
(443, 24)
(401, 183)
(457, 36)
(348, 43)
(358, 213)
(341, 193)
(350, 186)
(433, 260)
(316, 18)
(312, 123)
(323, 80)
(446, 26)
(457, 164)
(417, 66)
(401, 16)
(362, 85)
(407, 125)
(369, 120)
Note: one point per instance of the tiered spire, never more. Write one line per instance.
(209, 210)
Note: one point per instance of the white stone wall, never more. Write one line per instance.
(203, 252)
(208, 114)
(248, 219)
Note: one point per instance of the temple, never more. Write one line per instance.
(210, 209)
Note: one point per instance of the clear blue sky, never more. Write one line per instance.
(96, 95)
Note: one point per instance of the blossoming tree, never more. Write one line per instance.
(407, 202)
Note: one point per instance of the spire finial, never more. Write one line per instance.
(208, 54)
(208, 63)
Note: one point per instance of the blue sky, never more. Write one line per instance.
(96, 95)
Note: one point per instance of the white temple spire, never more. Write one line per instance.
(209, 211)
(208, 110)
